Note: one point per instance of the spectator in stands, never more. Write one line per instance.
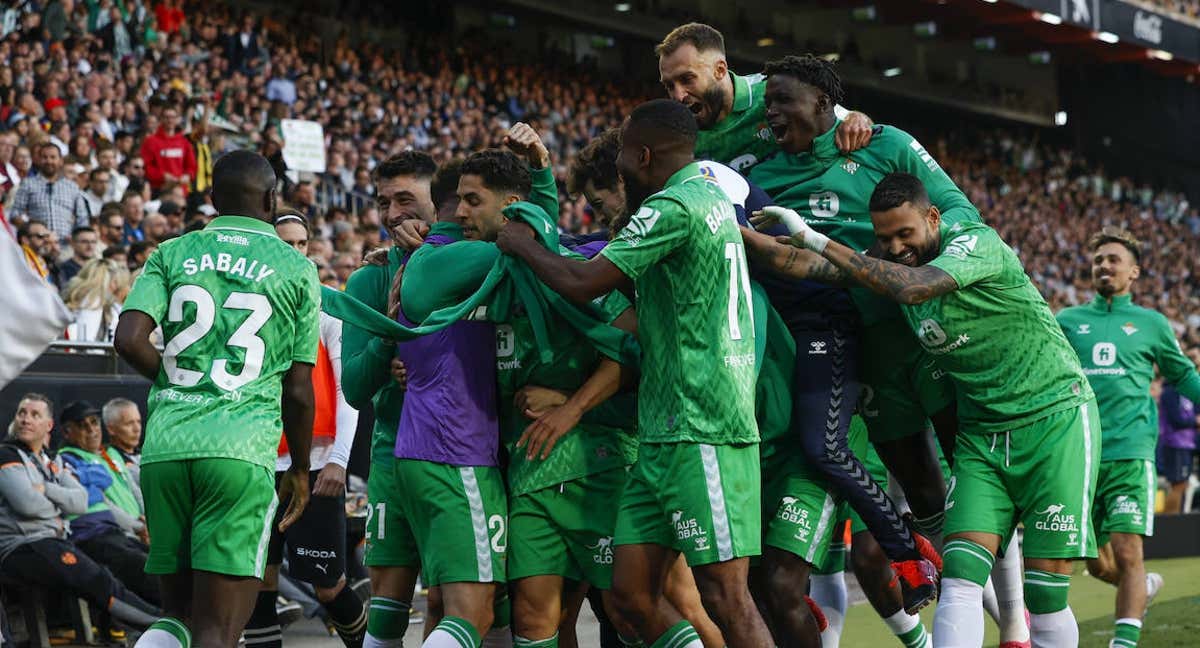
(99, 180)
(135, 172)
(132, 211)
(344, 264)
(106, 159)
(173, 213)
(198, 137)
(155, 228)
(10, 178)
(34, 238)
(168, 154)
(111, 226)
(242, 47)
(50, 197)
(84, 243)
(139, 252)
(1177, 445)
(118, 254)
(304, 200)
(112, 529)
(95, 296)
(36, 493)
(123, 420)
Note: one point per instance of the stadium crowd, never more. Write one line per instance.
(111, 114)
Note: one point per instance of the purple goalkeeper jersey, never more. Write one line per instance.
(449, 413)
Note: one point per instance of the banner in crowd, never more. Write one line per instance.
(303, 145)
(1132, 23)
(34, 316)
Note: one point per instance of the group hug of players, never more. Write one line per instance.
(781, 269)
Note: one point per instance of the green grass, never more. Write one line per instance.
(1173, 620)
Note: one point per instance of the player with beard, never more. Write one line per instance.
(1119, 344)
(695, 487)
(729, 108)
(1028, 447)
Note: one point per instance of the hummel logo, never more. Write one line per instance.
(817, 348)
(1084, 329)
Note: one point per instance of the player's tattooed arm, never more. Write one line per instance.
(902, 283)
(578, 281)
(782, 258)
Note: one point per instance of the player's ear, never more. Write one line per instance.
(1135, 271)
(269, 201)
(933, 217)
(720, 68)
(510, 199)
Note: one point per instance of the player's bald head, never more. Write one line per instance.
(244, 185)
(663, 126)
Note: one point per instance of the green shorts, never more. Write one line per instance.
(389, 542)
(799, 514)
(701, 500)
(1124, 501)
(457, 516)
(1042, 474)
(901, 387)
(566, 530)
(208, 514)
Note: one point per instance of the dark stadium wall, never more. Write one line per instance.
(1136, 123)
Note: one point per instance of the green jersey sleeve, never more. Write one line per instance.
(911, 157)
(1175, 367)
(655, 231)
(308, 321)
(428, 286)
(971, 257)
(543, 191)
(366, 359)
(149, 293)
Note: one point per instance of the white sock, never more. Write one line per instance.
(958, 621)
(829, 591)
(990, 604)
(497, 638)
(155, 638)
(375, 642)
(1010, 593)
(1054, 630)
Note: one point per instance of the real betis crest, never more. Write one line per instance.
(850, 166)
(1129, 328)
(764, 133)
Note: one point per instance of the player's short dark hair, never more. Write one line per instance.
(501, 170)
(814, 71)
(81, 230)
(1114, 234)
(665, 118)
(895, 189)
(405, 163)
(703, 37)
(597, 162)
(444, 186)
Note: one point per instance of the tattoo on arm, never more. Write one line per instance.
(900, 282)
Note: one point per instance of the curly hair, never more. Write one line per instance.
(1114, 234)
(814, 71)
(500, 170)
(405, 163)
(597, 162)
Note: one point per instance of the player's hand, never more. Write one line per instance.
(525, 142)
(535, 401)
(802, 235)
(331, 481)
(399, 373)
(542, 434)
(293, 488)
(376, 257)
(853, 133)
(410, 234)
(512, 235)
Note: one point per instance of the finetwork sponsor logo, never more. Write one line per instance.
(1104, 354)
(962, 246)
(931, 333)
(824, 204)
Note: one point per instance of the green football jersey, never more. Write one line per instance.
(237, 307)
(742, 139)
(1118, 344)
(591, 447)
(683, 251)
(832, 192)
(995, 336)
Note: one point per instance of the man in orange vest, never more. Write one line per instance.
(316, 543)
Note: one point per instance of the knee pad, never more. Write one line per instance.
(966, 560)
(1046, 592)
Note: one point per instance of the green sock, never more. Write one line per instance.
(680, 635)
(454, 630)
(387, 619)
(1128, 632)
(521, 642)
(915, 638)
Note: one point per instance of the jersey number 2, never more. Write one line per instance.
(245, 337)
(739, 284)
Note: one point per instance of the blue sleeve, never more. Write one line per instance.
(755, 201)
